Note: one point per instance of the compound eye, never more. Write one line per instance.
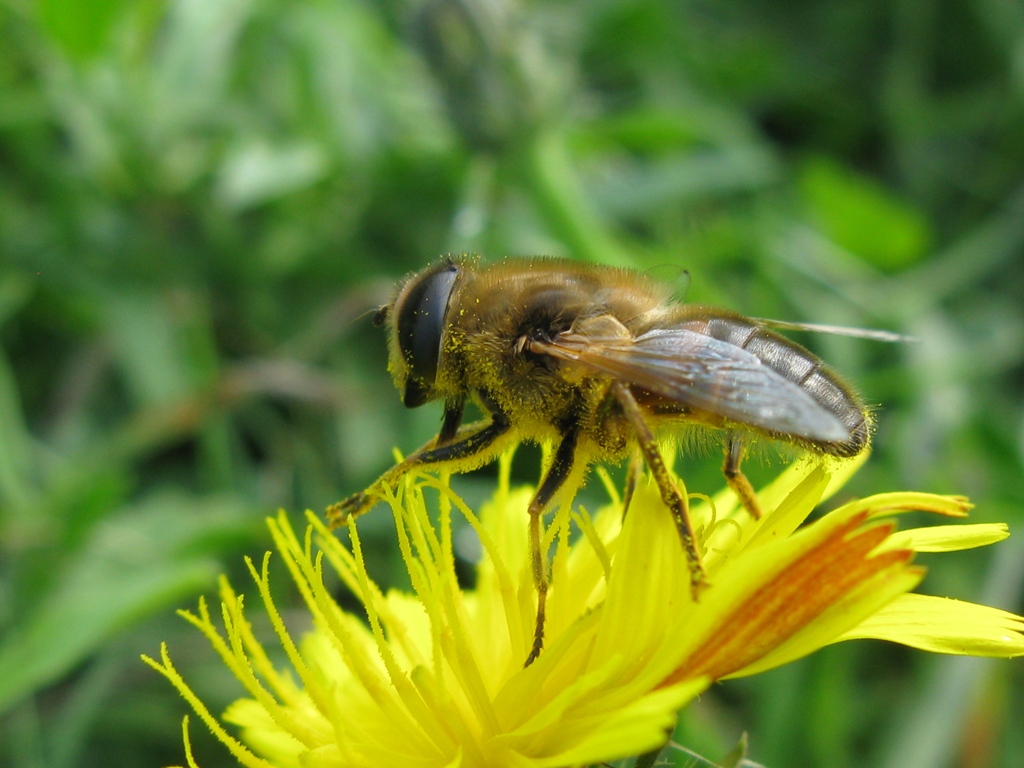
(420, 327)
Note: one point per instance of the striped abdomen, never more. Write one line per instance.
(798, 365)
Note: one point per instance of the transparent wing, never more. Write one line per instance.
(703, 373)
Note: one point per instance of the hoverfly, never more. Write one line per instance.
(596, 361)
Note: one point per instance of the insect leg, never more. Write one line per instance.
(468, 443)
(554, 479)
(734, 476)
(674, 500)
(633, 473)
(452, 419)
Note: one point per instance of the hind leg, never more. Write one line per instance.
(734, 449)
(674, 500)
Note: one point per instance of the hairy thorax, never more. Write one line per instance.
(496, 313)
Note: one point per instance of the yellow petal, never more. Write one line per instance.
(777, 590)
(943, 625)
(638, 727)
(913, 501)
(950, 538)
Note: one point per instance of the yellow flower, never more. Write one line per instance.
(436, 678)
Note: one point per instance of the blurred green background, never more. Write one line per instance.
(200, 198)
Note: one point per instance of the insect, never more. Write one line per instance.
(596, 361)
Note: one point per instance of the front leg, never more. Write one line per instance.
(453, 411)
(470, 445)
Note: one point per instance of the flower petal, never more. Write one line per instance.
(434, 678)
(950, 538)
(637, 727)
(776, 591)
(943, 625)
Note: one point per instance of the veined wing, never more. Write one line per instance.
(704, 373)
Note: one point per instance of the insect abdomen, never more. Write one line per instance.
(798, 365)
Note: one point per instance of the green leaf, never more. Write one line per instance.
(860, 215)
(80, 27)
(132, 566)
